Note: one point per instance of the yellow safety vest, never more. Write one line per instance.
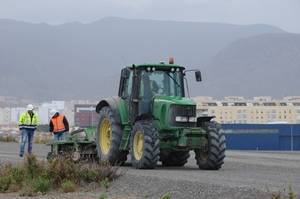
(26, 121)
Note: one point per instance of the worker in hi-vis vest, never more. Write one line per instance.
(58, 124)
(28, 122)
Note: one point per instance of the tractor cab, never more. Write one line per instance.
(140, 85)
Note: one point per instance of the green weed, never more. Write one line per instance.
(32, 166)
(105, 183)
(17, 175)
(284, 194)
(5, 182)
(41, 185)
(103, 196)
(166, 196)
(27, 190)
(35, 176)
(61, 169)
(8, 138)
(68, 186)
(88, 175)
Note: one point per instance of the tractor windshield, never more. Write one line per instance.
(161, 83)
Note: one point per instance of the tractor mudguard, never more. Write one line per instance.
(113, 104)
(145, 116)
(202, 119)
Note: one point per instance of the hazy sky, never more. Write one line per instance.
(282, 13)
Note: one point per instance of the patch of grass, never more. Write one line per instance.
(68, 186)
(27, 190)
(98, 172)
(284, 194)
(5, 169)
(5, 182)
(88, 175)
(42, 140)
(61, 169)
(14, 188)
(35, 176)
(105, 183)
(166, 196)
(8, 138)
(105, 170)
(103, 196)
(32, 166)
(17, 175)
(41, 184)
(5, 177)
(32, 187)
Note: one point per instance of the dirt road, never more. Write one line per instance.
(244, 175)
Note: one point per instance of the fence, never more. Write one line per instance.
(262, 136)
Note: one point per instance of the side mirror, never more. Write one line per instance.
(125, 73)
(198, 76)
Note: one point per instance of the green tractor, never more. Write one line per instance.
(153, 120)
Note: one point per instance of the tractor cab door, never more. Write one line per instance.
(134, 100)
(145, 94)
(135, 89)
(125, 89)
(129, 92)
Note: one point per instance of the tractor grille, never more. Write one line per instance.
(185, 111)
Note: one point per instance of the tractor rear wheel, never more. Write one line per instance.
(174, 158)
(213, 157)
(108, 138)
(144, 145)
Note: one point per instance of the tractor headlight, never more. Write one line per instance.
(181, 119)
(192, 119)
(183, 115)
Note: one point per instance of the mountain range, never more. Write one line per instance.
(83, 61)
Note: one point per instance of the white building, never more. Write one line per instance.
(5, 116)
(259, 110)
(69, 112)
(15, 114)
(10, 115)
(44, 110)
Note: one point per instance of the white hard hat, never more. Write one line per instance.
(30, 107)
(53, 112)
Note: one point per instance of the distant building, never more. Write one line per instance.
(85, 115)
(69, 112)
(259, 110)
(44, 110)
(9, 115)
(5, 116)
(15, 114)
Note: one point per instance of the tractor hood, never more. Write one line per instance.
(173, 100)
(167, 108)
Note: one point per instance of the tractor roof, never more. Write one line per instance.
(160, 66)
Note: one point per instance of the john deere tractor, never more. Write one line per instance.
(153, 120)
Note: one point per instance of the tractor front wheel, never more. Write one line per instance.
(213, 157)
(108, 138)
(144, 145)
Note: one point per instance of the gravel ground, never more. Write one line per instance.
(248, 174)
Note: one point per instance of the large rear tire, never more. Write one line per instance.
(144, 144)
(174, 158)
(108, 138)
(213, 157)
